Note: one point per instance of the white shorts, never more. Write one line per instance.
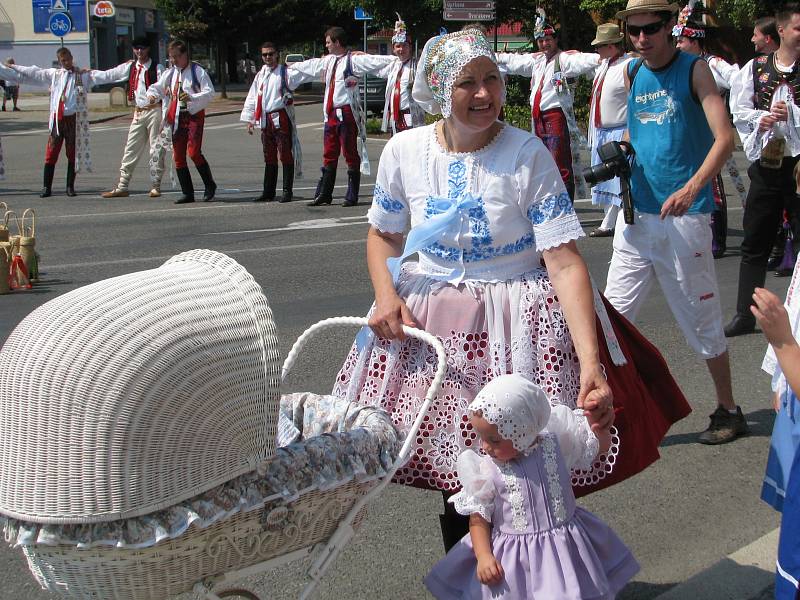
(676, 252)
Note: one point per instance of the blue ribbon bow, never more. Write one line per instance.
(431, 230)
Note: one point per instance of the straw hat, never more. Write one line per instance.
(637, 7)
(607, 33)
(134, 393)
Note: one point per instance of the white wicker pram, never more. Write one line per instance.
(91, 527)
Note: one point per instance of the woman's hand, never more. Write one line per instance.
(596, 398)
(389, 316)
(489, 570)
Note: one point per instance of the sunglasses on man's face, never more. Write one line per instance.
(140, 47)
(649, 29)
(268, 54)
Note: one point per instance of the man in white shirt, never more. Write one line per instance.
(764, 102)
(608, 116)
(400, 112)
(145, 127)
(185, 89)
(269, 106)
(552, 117)
(68, 123)
(341, 109)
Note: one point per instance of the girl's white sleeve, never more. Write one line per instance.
(477, 493)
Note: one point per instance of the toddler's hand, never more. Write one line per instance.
(772, 317)
(489, 570)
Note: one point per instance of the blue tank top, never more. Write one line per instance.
(670, 134)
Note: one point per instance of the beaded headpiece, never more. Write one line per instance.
(689, 24)
(442, 60)
(400, 31)
(542, 26)
(516, 406)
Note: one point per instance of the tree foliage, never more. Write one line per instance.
(739, 13)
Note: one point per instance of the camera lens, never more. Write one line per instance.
(597, 173)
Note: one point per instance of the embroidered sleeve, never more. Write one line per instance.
(544, 199)
(745, 114)
(477, 492)
(389, 211)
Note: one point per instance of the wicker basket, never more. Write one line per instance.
(134, 393)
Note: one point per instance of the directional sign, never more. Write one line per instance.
(59, 24)
(359, 14)
(472, 5)
(468, 15)
(58, 6)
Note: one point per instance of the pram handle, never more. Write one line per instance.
(432, 340)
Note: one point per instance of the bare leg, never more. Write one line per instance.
(720, 370)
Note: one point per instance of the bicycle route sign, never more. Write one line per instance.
(59, 24)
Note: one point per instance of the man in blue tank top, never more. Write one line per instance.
(679, 128)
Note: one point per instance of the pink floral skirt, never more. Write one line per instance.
(487, 329)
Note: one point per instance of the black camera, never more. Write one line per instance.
(616, 162)
(613, 163)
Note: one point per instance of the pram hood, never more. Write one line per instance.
(135, 393)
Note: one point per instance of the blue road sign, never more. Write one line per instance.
(59, 24)
(359, 14)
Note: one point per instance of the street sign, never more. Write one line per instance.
(59, 24)
(476, 5)
(104, 8)
(468, 15)
(359, 14)
(58, 6)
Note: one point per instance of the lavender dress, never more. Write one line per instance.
(549, 548)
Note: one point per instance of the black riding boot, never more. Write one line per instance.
(71, 179)
(776, 254)
(353, 183)
(324, 193)
(185, 179)
(270, 181)
(288, 183)
(47, 190)
(208, 182)
(743, 322)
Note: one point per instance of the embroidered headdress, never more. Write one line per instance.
(518, 407)
(690, 24)
(442, 60)
(400, 32)
(542, 26)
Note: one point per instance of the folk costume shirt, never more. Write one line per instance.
(510, 203)
(609, 102)
(333, 71)
(268, 87)
(405, 73)
(123, 72)
(194, 80)
(543, 76)
(746, 114)
(723, 71)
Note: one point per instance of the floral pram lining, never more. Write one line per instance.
(341, 442)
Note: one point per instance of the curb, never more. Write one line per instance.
(218, 113)
(744, 574)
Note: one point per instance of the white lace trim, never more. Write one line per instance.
(602, 466)
(519, 518)
(467, 505)
(558, 231)
(386, 222)
(554, 489)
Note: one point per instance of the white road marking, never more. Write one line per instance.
(302, 225)
(149, 259)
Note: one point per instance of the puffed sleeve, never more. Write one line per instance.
(544, 199)
(477, 492)
(389, 211)
(580, 447)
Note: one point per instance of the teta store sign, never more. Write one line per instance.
(104, 8)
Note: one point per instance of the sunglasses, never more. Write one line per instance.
(649, 29)
(141, 47)
(268, 53)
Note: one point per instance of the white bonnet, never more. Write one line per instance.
(518, 407)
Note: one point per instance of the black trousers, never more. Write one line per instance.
(771, 192)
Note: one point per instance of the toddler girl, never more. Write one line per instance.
(527, 538)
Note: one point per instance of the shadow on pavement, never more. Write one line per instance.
(639, 590)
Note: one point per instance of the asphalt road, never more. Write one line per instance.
(692, 508)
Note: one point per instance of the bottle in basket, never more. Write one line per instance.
(772, 153)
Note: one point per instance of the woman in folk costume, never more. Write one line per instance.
(270, 107)
(690, 36)
(552, 114)
(185, 90)
(499, 280)
(608, 115)
(69, 114)
(400, 112)
(781, 325)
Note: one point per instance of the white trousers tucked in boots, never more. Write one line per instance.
(144, 130)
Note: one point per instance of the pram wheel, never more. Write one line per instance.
(238, 594)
